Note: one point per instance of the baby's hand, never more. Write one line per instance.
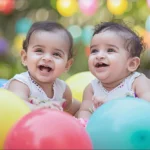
(51, 105)
(54, 105)
(98, 101)
(34, 100)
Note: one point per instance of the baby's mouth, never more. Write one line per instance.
(47, 68)
(98, 65)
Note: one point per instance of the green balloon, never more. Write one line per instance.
(76, 33)
(121, 124)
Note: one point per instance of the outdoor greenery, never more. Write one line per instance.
(136, 15)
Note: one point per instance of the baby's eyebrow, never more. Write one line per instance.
(112, 46)
(60, 50)
(38, 46)
(92, 46)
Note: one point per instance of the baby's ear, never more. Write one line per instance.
(133, 64)
(23, 57)
(69, 64)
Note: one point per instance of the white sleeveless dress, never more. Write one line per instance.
(122, 90)
(37, 92)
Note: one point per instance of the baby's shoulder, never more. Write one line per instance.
(23, 77)
(18, 79)
(141, 80)
(60, 84)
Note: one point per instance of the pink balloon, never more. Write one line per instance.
(148, 3)
(88, 7)
(48, 129)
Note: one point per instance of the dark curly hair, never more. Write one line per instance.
(51, 27)
(133, 43)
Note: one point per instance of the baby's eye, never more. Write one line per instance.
(57, 54)
(94, 51)
(39, 50)
(110, 50)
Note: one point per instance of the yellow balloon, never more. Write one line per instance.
(18, 41)
(139, 30)
(117, 7)
(66, 7)
(12, 108)
(78, 82)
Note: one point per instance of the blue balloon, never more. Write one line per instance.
(2, 82)
(147, 24)
(87, 34)
(121, 124)
(23, 25)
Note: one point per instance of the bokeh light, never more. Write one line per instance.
(78, 16)
(3, 45)
(76, 33)
(18, 40)
(87, 33)
(117, 7)
(88, 7)
(147, 24)
(23, 25)
(66, 7)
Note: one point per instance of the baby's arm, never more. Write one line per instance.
(86, 105)
(71, 105)
(141, 87)
(21, 90)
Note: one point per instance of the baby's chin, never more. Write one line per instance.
(45, 80)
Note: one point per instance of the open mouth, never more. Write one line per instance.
(98, 65)
(47, 68)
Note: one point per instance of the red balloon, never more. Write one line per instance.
(7, 6)
(48, 129)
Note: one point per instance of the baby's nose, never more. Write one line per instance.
(47, 57)
(101, 55)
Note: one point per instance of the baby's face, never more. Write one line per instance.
(108, 60)
(47, 55)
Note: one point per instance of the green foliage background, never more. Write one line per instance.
(10, 64)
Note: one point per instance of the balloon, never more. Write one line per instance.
(88, 7)
(2, 82)
(66, 7)
(87, 50)
(139, 30)
(121, 124)
(147, 38)
(3, 45)
(7, 6)
(147, 24)
(87, 34)
(18, 41)
(78, 82)
(148, 3)
(117, 7)
(48, 129)
(23, 25)
(12, 108)
(76, 32)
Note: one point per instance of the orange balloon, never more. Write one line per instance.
(66, 7)
(87, 50)
(117, 7)
(147, 38)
